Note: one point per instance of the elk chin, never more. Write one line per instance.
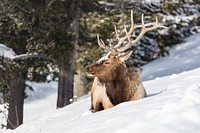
(90, 74)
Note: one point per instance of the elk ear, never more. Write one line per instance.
(111, 56)
(125, 56)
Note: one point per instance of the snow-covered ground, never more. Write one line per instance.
(172, 105)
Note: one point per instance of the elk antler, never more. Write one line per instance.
(145, 28)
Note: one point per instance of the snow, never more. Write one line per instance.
(180, 18)
(36, 103)
(172, 105)
(104, 58)
(7, 52)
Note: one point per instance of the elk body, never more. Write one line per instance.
(114, 83)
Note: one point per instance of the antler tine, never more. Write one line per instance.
(156, 25)
(142, 19)
(104, 46)
(128, 36)
(143, 31)
(116, 33)
(101, 43)
(151, 24)
(121, 40)
(110, 44)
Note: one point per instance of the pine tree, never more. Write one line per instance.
(66, 69)
(46, 27)
(15, 78)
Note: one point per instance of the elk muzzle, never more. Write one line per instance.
(90, 71)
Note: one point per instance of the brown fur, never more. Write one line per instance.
(114, 83)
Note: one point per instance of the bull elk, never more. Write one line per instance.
(114, 83)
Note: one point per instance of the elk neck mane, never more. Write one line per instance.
(120, 89)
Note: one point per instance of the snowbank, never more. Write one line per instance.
(172, 105)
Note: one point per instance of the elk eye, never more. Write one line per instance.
(107, 63)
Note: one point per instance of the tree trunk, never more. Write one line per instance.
(65, 84)
(16, 100)
(66, 69)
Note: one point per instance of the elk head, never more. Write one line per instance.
(106, 67)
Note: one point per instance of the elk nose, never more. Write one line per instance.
(88, 69)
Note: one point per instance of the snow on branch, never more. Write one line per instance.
(7, 52)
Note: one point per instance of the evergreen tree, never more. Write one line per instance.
(67, 64)
(15, 78)
(47, 27)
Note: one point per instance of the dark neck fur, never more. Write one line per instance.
(115, 89)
